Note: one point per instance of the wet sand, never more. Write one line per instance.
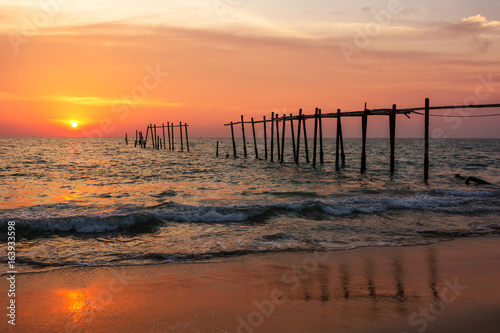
(447, 287)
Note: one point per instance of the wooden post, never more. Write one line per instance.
(255, 140)
(342, 154)
(305, 139)
(293, 138)
(126, 139)
(265, 137)
(146, 139)
(217, 150)
(161, 144)
(364, 121)
(298, 138)
(426, 152)
(187, 138)
(283, 138)
(164, 142)
(337, 143)
(136, 133)
(172, 132)
(234, 143)
(168, 133)
(315, 135)
(320, 124)
(180, 132)
(155, 139)
(392, 134)
(243, 135)
(272, 136)
(278, 148)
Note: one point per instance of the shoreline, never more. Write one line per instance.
(362, 289)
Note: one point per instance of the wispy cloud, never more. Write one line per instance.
(88, 100)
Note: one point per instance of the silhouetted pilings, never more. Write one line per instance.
(278, 152)
(157, 141)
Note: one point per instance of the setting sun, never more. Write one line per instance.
(74, 124)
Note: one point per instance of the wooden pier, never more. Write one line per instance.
(318, 116)
(159, 139)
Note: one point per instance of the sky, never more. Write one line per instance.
(116, 66)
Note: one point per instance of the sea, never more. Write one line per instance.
(100, 202)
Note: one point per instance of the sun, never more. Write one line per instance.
(74, 124)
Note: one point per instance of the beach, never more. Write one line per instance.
(450, 286)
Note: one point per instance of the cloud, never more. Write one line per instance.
(88, 100)
(472, 25)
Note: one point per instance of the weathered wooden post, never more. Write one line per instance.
(172, 132)
(187, 138)
(364, 121)
(234, 143)
(426, 152)
(155, 139)
(315, 135)
(217, 150)
(136, 134)
(298, 137)
(337, 143)
(272, 137)
(126, 139)
(278, 148)
(255, 140)
(306, 147)
(243, 134)
(283, 138)
(320, 124)
(164, 142)
(265, 137)
(180, 132)
(168, 134)
(392, 134)
(293, 138)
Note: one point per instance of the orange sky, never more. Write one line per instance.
(215, 60)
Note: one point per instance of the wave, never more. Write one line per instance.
(83, 219)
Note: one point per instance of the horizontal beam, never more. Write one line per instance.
(376, 112)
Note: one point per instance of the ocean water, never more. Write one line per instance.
(99, 202)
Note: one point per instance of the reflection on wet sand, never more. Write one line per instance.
(382, 280)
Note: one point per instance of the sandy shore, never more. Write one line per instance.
(447, 287)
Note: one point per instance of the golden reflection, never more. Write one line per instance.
(78, 304)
